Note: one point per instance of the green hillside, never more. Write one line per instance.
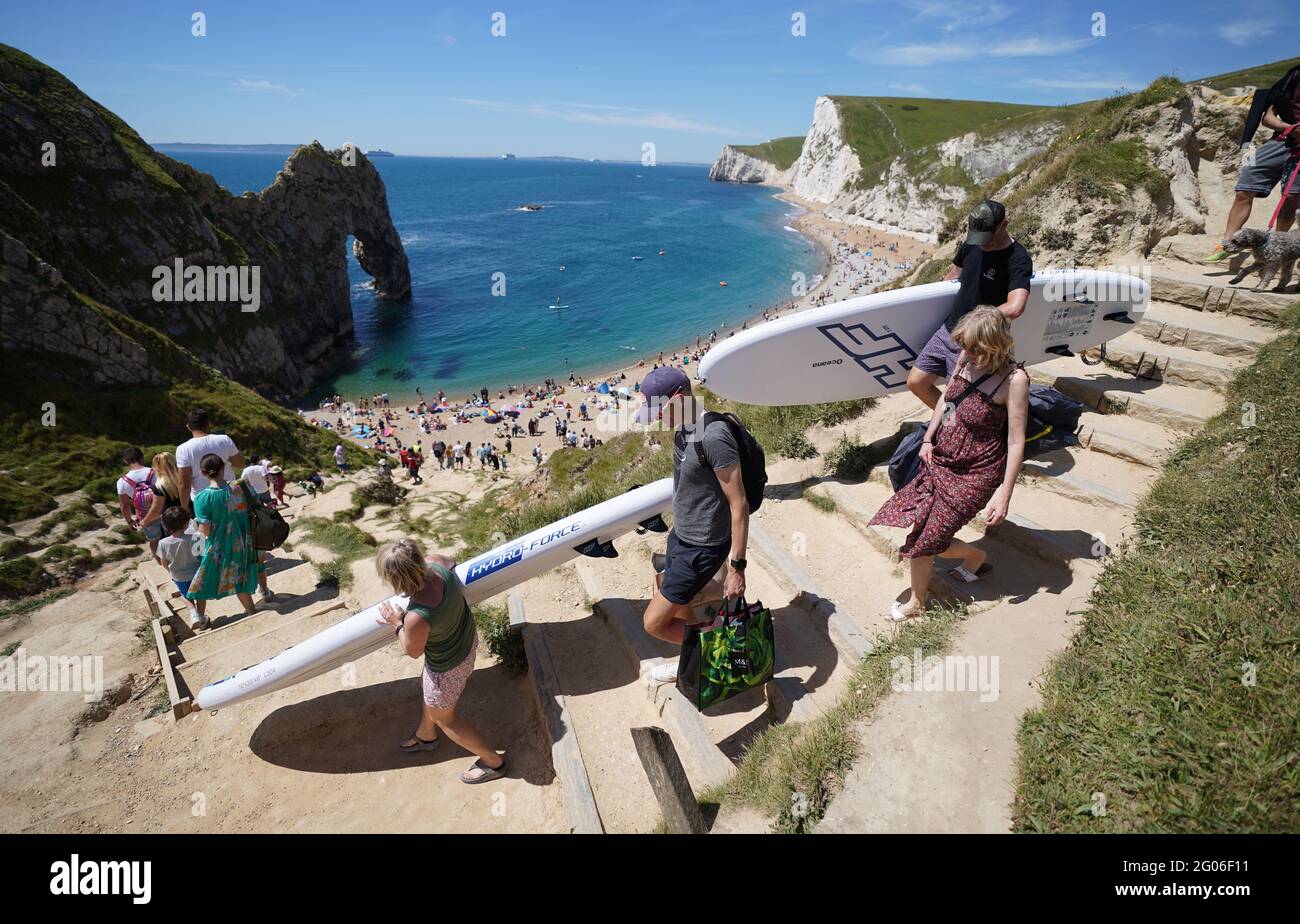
(779, 151)
(1264, 75)
(880, 128)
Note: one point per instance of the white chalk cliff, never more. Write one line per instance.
(735, 166)
(828, 171)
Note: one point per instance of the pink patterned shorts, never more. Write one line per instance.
(442, 690)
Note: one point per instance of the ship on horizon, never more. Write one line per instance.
(380, 152)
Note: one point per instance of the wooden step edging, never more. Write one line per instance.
(704, 760)
(580, 810)
(181, 705)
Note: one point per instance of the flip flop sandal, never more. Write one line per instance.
(420, 745)
(966, 577)
(488, 775)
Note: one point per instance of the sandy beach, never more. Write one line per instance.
(856, 261)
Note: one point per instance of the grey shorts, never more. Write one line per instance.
(939, 354)
(1272, 164)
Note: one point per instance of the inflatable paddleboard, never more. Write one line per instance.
(864, 347)
(588, 532)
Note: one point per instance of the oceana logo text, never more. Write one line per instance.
(103, 877)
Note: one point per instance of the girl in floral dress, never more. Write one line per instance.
(229, 564)
(970, 458)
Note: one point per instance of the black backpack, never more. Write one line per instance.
(753, 461)
(266, 526)
(1279, 96)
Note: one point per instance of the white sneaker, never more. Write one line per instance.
(664, 673)
(195, 620)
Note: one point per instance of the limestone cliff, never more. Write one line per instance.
(89, 209)
(736, 166)
(914, 190)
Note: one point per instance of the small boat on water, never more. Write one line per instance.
(662, 252)
(723, 283)
(561, 267)
(530, 207)
(638, 258)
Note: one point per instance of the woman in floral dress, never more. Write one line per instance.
(229, 564)
(970, 458)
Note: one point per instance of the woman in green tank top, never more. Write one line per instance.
(436, 625)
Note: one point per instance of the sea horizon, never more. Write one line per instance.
(466, 236)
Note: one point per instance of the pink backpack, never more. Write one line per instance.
(142, 496)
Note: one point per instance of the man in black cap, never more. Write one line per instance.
(710, 509)
(994, 269)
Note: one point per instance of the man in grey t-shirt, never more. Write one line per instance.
(710, 509)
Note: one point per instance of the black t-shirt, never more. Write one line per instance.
(987, 276)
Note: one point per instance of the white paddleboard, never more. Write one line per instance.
(864, 347)
(484, 576)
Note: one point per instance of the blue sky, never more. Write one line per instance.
(600, 79)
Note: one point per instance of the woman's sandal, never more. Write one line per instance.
(420, 744)
(897, 614)
(966, 577)
(488, 774)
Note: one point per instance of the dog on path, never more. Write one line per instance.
(1271, 249)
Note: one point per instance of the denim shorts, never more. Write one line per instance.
(1272, 164)
(153, 531)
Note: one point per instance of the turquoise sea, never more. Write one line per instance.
(460, 222)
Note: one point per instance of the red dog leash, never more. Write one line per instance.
(1286, 191)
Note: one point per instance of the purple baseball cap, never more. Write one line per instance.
(657, 387)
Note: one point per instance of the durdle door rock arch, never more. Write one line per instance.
(95, 207)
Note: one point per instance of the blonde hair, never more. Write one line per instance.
(166, 475)
(985, 334)
(402, 566)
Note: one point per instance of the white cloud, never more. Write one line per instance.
(914, 88)
(597, 114)
(922, 55)
(1243, 33)
(960, 15)
(1082, 83)
(265, 86)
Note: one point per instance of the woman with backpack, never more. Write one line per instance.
(970, 457)
(165, 493)
(230, 562)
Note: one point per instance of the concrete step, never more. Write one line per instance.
(1148, 359)
(1091, 477)
(1128, 438)
(1164, 403)
(1223, 335)
(1208, 290)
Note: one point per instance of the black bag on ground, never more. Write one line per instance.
(267, 528)
(906, 460)
(734, 653)
(753, 461)
(1053, 420)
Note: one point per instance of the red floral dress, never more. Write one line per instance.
(966, 468)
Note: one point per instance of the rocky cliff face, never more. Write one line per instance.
(827, 165)
(88, 209)
(912, 193)
(733, 166)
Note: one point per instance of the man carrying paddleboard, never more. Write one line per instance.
(710, 508)
(994, 269)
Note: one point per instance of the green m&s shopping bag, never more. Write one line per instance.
(728, 656)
